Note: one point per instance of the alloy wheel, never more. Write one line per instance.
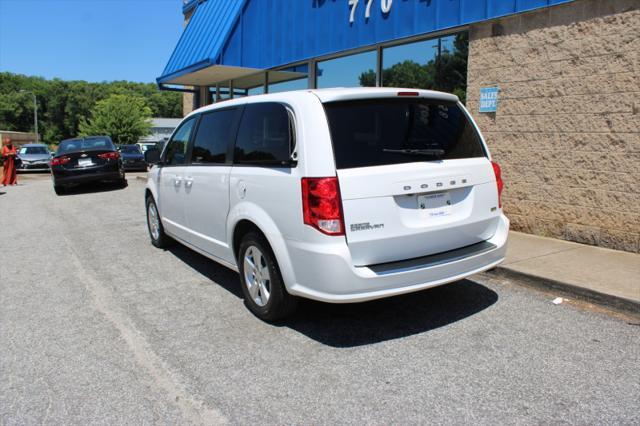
(256, 276)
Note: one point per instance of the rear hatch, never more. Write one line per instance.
(81, 160)
(414, 176)
(87, 153)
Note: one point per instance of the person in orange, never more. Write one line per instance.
(8, 153)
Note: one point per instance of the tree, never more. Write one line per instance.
(63, 104)
(122, 117)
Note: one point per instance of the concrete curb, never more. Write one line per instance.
(620, 304)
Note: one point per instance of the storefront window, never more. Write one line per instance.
(292, 78)
(436, 64)
(259, 90)
(349, 71)
(250, 85)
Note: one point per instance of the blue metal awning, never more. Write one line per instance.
(228, 39)
(201, 43)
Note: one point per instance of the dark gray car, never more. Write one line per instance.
(34, 156)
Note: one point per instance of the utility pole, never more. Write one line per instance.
(35, 112)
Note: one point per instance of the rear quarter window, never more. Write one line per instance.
(365, 133)
(265, 136)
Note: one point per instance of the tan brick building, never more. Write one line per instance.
(566, 130)
(567, 127)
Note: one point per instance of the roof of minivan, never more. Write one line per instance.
(29, 145)
(336, 94)
(353, 93)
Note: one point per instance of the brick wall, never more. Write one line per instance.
(187, 103)
(567, 128)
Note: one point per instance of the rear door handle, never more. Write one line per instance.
(177, 181)
(188, 182)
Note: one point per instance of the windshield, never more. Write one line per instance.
(33, 150)
(393, 131)
(130, 149)
(84, 145)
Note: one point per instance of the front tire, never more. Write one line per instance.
(264, 291)
(154, 225)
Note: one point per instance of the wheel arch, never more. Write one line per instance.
(254, 218)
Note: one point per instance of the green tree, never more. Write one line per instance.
(122, 117)
(63, 104)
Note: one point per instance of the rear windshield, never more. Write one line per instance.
(84, 145)
(377, 132)
(130, 149)
(33, 150)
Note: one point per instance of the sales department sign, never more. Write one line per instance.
(488, 99)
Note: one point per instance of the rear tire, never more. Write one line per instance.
(59, 189)
(265, 294)
(154, 226)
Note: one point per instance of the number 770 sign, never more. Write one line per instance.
(385, 7)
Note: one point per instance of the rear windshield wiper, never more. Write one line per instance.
(428, 152)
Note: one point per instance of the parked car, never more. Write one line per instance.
(33, 156)
(337, 195)
(144, 146)
(132, 158)
(89, 159)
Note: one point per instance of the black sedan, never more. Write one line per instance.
(132, 158)
(90, 159)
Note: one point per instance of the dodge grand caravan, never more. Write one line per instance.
(337, 195)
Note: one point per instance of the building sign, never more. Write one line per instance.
(488, 99)
(385, 7)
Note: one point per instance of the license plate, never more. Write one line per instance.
(435, 205)
(84, 162)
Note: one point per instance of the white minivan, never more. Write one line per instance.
(337, 195)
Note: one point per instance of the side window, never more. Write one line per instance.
(265, 136)
(215, 131)
(176, 153)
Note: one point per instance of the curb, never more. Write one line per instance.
(617, 303)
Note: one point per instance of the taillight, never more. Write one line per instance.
(499, 182)
(321, 205)
(59, 161)
(114, 155)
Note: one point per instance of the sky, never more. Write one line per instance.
(93, 40)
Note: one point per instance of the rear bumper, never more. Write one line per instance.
(138, 165)
(327, 274)
(66, 177)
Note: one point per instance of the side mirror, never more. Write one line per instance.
(152, 156)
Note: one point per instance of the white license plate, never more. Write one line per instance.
(435, 205)
(84, 162)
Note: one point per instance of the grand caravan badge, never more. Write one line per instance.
(366, 226)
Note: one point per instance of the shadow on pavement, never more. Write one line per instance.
(88, 188)
(357, 324)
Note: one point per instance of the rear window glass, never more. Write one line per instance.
(33, 150)
(130, 149)
(394, 131)
(84, 145)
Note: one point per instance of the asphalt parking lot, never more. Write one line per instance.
(99, 327)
